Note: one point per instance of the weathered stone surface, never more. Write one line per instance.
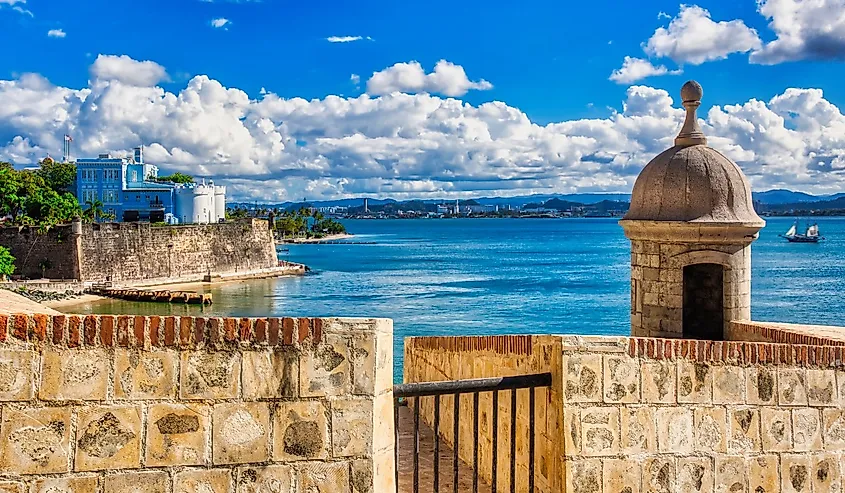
(352, 428)
(806, 429)
(621, 379)
(695, 475)
(137, 482)
(363, 364)
(730, 474)
(11, 487)
(35, 441)
(710, 429)
(728, 385)
(270, 375)
(826, 473)
(214, 375)
(659, 382)
(82, 484)
(659, 475)
(796, 471)
(695, 383)
(619, 476)
(362, 477)
(833, 421)
(74, 375)
(792, 387)
(16, 370)
(324, 370)
(763, 474)
(300, 431)
(761, 385)
(821, 387)
(744, 426)
(582, 378)
(571, 433)
(675, 429)
(776, 429)
(275, 479)
(241, 432)
(637, 430)
(202, 481)
(584, 476)
(177, 434)
(144, 374)
(600, 431)
(323, 477)
(108, 438)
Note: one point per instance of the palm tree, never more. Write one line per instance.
(93, 212)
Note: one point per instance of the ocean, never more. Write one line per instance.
(496, 276)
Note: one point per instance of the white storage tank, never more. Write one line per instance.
(203, 205)
(184, 210)
(219, 203)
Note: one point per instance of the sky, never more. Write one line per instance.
(283, 100)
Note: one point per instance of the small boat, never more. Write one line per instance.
(811, 236)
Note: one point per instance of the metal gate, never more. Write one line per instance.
(411, 393)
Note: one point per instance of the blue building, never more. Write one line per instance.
(129, 189)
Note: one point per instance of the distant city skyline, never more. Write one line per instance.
(321, 100)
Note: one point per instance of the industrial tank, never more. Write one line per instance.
(219, 203)
(184, 210)
(203, 205)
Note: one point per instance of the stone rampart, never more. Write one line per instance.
(182, 404)
(53, 254)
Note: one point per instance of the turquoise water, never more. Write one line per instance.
(491, 276)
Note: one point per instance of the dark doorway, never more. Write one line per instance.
(703, 302)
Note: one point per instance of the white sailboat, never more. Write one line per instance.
(810, 236)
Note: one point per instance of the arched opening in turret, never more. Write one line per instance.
(703, 302)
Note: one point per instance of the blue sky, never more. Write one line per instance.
(550, 62)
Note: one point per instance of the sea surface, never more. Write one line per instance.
(496, 276)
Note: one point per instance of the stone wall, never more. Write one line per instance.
(182, 404)
(53, 254)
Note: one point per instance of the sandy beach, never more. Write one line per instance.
(85, 298)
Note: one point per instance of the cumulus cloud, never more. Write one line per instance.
(636, 69)
(693, 37)
(127, 70)
(409, 145)
(805, 30)
(344, 39)
(447, 79)
(220, 22)
(56, 33)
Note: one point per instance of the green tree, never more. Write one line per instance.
(7, 262)
(29, 201)
(93, 211)
(177, 178)
(57, 175)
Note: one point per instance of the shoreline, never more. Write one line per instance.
(78, 300)
(297, 241)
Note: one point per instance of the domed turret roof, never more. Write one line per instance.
(692, 182)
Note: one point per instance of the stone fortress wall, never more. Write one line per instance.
(182, 404)
(123, 252)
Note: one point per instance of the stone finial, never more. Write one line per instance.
(691, 133)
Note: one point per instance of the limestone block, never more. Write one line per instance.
(675, 429)
(744, 428)
(137, 482)
(267, 479)
(571, 433)
(583, 377)
(833, 421)
(795, 470)
(384, 362)
(323, 477)
(792, 389)
(81, 484)
(108, 438)
(695, 383)
(826, 473)
(207, 375)
(11, 487)
(270, 375)
(806, 429)
(621, 379)
(324, 370)
(144, 374)
(363, 364)
(35, 441)
(618, 475)
(763, 473)
(710, 429)
(584, 475)
(301, 431)
(202, 481)
(16, 370)
(177, 434)
(383, 422)
(728, 385)
(695, 475)
(74, 375)
(658, 382)
(821, 387)
(761, 386)
(840, 388)
(637, 432)
(600, 431)
(776, 429)
(730, 474)
(240, 432)
(658, 475)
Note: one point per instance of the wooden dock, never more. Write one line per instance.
(156, 296)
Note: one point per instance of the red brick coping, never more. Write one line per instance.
(155, 331)
(790, 333)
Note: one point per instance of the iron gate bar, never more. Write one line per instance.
(447, 387)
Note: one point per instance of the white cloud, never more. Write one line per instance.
(693, 37)
(344, 39)
(635, 69)
(56, 33)
(11, 2)
(447, 79)
(127, 70)
(805, 30)
(409, 145)
(355, 79)
(19, 9)
(220, 22)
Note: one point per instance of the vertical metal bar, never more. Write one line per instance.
(396, 438)
(495, 443)
(436, 443)
(513, 441)
(475, 443)
(457, 432)
(531, 438)
(416, 444)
